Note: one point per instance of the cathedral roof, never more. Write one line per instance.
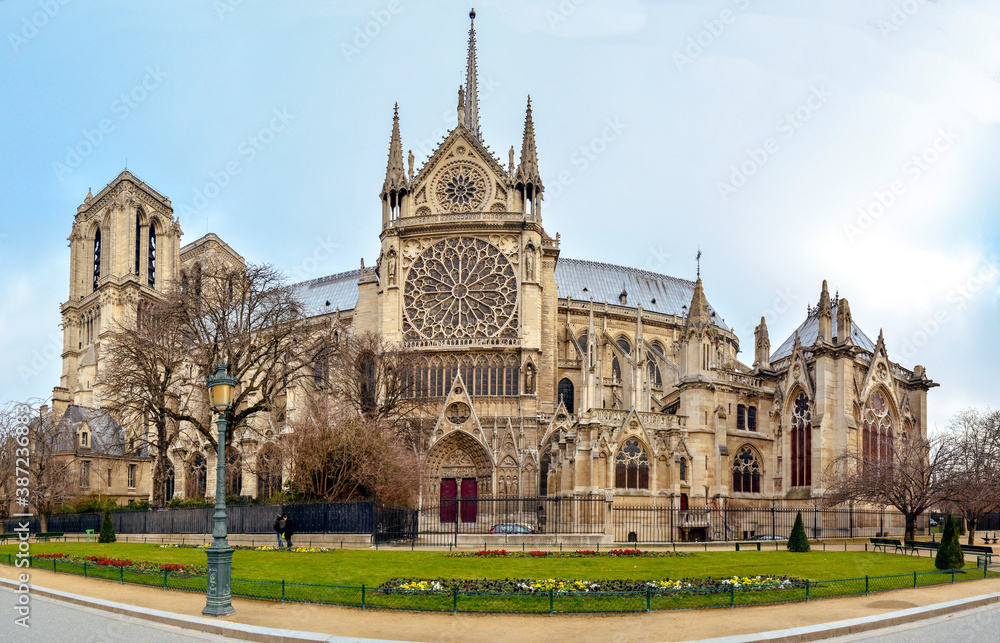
(605, 282)
(808, 331)
(328, 294)
(106, 437)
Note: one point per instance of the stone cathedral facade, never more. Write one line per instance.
(550, 376)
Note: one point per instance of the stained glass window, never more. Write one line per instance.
(631, 466)
(801, 436)
(746, 471)
(877, 433)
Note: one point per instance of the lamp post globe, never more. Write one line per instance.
(220, 554)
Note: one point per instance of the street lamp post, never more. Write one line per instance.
(220, 554)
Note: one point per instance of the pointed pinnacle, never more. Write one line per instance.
(471, 82)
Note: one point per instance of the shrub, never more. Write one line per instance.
(798, 541)
(949, 553)
(107, 530)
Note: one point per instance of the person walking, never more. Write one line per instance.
(279, 528)
(289, 530)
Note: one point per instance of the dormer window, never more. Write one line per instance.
(83, 439)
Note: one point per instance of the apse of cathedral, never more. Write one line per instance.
(549, 376)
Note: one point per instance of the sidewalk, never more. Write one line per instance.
(410, 626)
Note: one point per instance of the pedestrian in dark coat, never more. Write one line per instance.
(289, 530)
(279, 528)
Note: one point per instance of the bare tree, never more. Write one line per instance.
(375, 379)
(338, 454)
(50, 480)
(973, 479)
(911, 479)
(8, 459)
(251, 320)
(145, 366)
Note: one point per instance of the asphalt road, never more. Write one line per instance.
(980, 625)
(57, 622)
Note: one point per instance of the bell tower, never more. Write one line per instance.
(124, 251)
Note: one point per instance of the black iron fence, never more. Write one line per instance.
(333, 518)
(646, 524)
(449, 521)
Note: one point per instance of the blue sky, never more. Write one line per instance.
(850, 140)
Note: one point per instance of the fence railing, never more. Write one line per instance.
(538, 602)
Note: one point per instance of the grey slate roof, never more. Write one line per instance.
(106, 437)
(604, 282)
(327, 294)
(809, 330)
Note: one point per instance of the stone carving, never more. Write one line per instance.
(460, 288)
(390, 266)
(461, 187)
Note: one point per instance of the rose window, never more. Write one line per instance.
(460, 288)
(461, 188)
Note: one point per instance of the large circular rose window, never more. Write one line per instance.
(461, 188)
(460, 288)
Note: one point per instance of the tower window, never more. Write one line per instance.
(152, 256)
(97, 257)
(138, 241)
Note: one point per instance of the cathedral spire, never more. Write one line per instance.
(699, 314)
(527, 169)
(395, 175)
(471, 84)
(824, 314)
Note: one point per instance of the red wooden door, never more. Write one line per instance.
(684, 502)
(449, 494)
(470, 508)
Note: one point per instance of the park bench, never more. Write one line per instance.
(987, 552)
(4, 537)
(49, 536)
(885, 543)
(916, 545)
(749, 544)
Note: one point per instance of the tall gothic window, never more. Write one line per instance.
(751, 418)
(484, 375)
(801, 442)
(321, 367)
(741, 417)
(168, 482)
(234, 472)
(97, 257)
(151, 251)
(877, 434)
(631, 466)
(268, 471)
(197, 477)
(565, 392)
(746, 471)
(616, 369)
(138, 241)
(682, 470)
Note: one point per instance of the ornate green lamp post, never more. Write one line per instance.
(220, 554)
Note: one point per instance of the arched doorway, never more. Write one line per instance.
(459, 470)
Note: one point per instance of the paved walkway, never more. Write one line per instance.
(656, 626)
(980, 624)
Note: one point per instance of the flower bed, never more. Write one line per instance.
(579, 553)
(142, 565)
(533, 586)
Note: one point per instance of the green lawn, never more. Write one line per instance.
(356, 567)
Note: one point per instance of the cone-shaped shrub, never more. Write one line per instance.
(107, 530)
(949, 553)
(798, 541)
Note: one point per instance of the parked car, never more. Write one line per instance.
(934, 523)
(768, 537)
(513, 528)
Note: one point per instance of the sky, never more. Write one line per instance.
(855, 141)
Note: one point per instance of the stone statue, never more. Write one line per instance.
(529, 265)
(391, 267)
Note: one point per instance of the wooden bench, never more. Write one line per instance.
(755, 543)
(916, 545)
(49, 536)
(885, 543)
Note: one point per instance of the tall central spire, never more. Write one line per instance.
(471, 85)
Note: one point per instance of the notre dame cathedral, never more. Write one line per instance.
(553, 376)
